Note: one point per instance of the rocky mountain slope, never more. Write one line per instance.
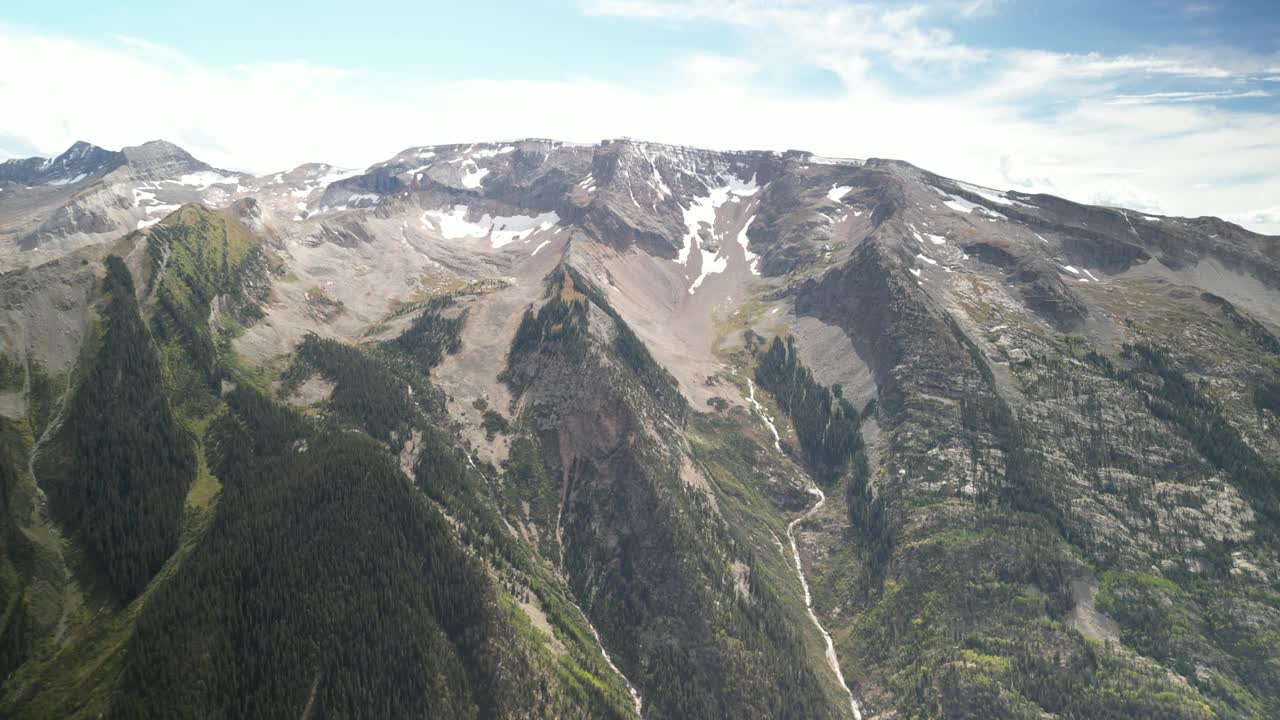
(543, 429)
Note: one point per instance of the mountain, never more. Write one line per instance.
(538, 429)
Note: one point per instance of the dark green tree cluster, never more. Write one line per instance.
(494, 424)
(826, 424)
(1266, 396)
(431, 335)
(1024, 487)
(561, 325)
(1176, 399)
(326, 587)
(557, 321)
(13, 373)
(697, 646)
(122, 464)
(16, 555)
(365, 390)
(1245, 324)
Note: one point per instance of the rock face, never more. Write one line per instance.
(1063, 499)
(80, 161)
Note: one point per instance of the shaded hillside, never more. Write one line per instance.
(121, 463)
(538, 429)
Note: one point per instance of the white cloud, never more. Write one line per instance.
(1181, 158)
(1118, 193)
(1180, 97)
(708, 69)
(828, 31)
(1266, 220)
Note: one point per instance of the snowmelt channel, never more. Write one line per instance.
(832, 659)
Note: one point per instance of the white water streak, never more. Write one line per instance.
(777, 440)
(832, 659)
(635, 695)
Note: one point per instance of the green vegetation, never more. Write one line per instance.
(662, 562)
(1251, 328)
(431, 335)
(427, 617)
(15, 571)
(366, 390)
(1267, 397)
(494, 424)
(1173, 398)
(197, 258)
(13, 373)
(122, 464)
(378, 612)
(826, 424)
(561, 324)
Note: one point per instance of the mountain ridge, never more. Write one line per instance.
(604, 382)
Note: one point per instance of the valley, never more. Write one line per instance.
(632, 430)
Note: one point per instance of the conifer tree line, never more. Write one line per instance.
(121, 463)
(827, 425)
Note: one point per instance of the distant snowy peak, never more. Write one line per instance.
(79, 162)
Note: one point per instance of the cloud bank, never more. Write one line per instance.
(1026, 119)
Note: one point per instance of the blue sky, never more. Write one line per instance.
(1165, 105)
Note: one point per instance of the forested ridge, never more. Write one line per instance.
(121, 463)
(652, 557)
(309, 575)
(381, 518)
(323, 584)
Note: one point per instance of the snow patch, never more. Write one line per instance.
(501, 230)
(838, 191)
(657, 179)
(818, 159)
(143, 193)
(68, 181)
(482, 154)
(712, 264)
(472, 175)
(204, 178)
(994, 196)
(703, 210)
(753, 260)
(960, 205)
(920, 238)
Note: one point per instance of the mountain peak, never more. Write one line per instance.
(76, 163)
(155, 148)
(80, 148)
(161, 158)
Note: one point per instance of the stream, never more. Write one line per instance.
(832, 659)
